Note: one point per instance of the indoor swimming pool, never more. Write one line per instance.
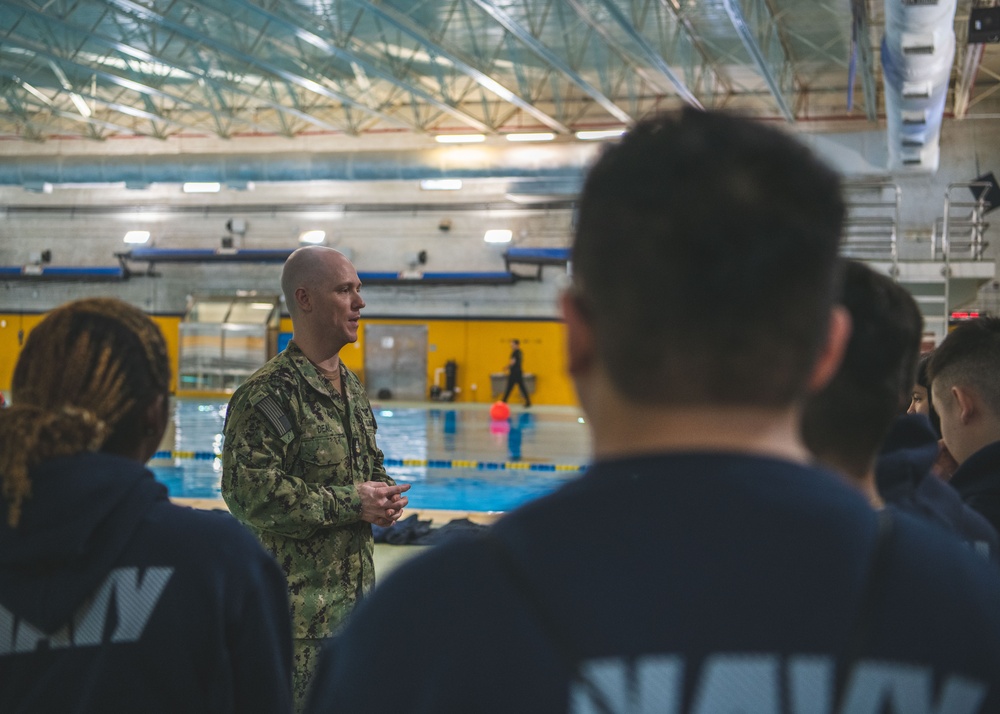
(455, 456)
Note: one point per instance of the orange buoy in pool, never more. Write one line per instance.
(499, 411)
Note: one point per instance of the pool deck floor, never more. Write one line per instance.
(387, 556)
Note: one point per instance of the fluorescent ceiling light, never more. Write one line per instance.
(537, 136)
(597, 135)
(312, 237)
(137, 237)
(459, 138)
(441, 184)
(202, 187)
(261, 306)
(498, 235)
(81, 106)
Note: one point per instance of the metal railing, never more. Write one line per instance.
(871, 229)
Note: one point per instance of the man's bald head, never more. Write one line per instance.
(306, 268)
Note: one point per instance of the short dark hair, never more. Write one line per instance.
(970, 355)
(704, 256)
(848, 420)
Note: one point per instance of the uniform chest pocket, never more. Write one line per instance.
(323, 459)
(367, 425)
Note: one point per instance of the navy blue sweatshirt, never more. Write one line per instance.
(681, 583)
(977, 480)
(113, 599)
(905, 481)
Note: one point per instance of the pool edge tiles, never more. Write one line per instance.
(428, 463)
(437, 517)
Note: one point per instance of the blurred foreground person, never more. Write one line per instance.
(855, 426)
(701, 564)
(965, 384)
(112, 599)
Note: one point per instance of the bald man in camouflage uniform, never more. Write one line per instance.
(301, 466)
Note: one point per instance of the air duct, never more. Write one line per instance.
(917, 53)
(548, 162)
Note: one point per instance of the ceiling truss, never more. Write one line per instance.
(97, 69)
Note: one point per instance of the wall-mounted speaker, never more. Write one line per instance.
(984, 24)
(989, 192)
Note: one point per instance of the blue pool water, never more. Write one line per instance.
(455, 459)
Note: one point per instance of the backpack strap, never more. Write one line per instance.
(562, 639)
(864, 620)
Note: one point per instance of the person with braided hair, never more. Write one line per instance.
(111, 597)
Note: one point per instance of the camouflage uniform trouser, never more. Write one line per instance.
(305, 655)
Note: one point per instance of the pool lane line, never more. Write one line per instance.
(428, 463)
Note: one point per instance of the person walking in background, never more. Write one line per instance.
(301, 466)
(112, 599)
(515, 373)
(726, 572)
(965, 387)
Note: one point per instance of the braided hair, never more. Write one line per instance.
(86, 375)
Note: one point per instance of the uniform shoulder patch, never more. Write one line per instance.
(268, 408)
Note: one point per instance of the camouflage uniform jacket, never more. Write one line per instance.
(294, 453)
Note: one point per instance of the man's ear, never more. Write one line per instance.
(302, 299)
(838, 334)
(965, 400)
(579, 334)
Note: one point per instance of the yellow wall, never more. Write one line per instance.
(10, 347)
(170, 326)
(479, 348)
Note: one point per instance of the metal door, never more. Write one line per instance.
(396, 361)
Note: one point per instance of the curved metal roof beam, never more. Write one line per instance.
(971, 60)
(120, 108)
(143, 56)
(543, 51)
(674, 9)
(291, 77)
(139, 87)
(369, 68)
(746, 35)
(50, 107)
(481, 78)
(861, 24)
(648, 53)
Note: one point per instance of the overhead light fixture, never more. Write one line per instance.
(312, 237)
(441, 184)
(598, 135)
(261, 306)
(81, 106)
(202, 187)
(536, 136)
(460, 138)
(136, 237)
(498, 235)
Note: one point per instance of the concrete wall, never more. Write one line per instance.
(382, 225)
